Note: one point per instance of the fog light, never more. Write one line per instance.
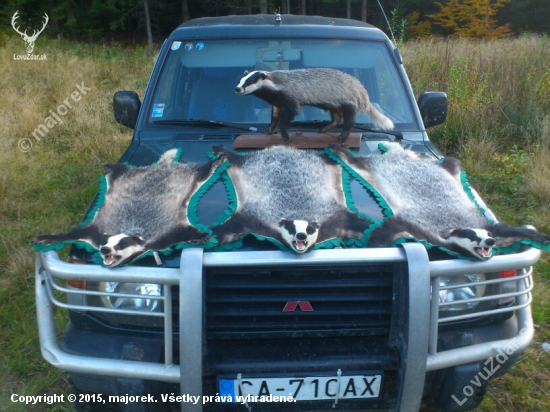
(134, 296)
(460, 288)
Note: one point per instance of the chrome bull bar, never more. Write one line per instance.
(421, 351)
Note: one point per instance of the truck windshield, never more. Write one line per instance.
(198, 79)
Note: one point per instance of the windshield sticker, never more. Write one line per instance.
(189, 46)
(176, 45)
(199, 46)
(158, 110)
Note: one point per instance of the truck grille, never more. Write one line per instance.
(334, 302)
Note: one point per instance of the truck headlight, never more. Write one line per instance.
(135, 297)
(458, 289)
(117, 298)
(132, 296)
(120, 303)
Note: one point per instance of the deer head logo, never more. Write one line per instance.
(29, 40)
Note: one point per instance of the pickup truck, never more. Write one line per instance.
(264, 329)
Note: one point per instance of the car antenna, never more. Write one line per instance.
(387, 22)
(278, 18)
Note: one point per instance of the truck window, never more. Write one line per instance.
(198, 78)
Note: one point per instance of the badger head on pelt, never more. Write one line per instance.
(120, 249)
(299, 235)
(476, 243)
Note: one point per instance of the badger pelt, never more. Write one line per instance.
(292, 196)
(145, 209)
(328, 89)
(430, 204)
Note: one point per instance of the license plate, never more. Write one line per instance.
(308, 388)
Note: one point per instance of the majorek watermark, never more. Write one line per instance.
(55, 118)
(28, 39)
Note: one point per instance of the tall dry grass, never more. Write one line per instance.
(49, 188)
(499, 109)
(499, 126)
(33, 185)
(501, 86)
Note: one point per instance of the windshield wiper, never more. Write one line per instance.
(398, 135)
(206, 123)
(319, 123)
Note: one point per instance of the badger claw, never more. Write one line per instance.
(219, 161)
(342, 138)
(44, 240)
(337, 148)
(201, 239)
(285, 136)
(220, 151)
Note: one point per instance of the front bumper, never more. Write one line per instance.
(417, 347)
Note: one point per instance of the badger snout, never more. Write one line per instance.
(105, 250)
(490, 242)
(239, 90)
(301, 236)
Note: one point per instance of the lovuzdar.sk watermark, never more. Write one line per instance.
(28, 39)
(502, 355)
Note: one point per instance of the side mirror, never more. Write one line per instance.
(433, 108)
(126, 106)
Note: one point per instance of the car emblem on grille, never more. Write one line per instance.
(304, 306)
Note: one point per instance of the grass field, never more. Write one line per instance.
(499, 126)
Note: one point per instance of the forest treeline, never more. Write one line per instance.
(408, 18)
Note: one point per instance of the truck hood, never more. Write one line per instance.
(197, 147)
